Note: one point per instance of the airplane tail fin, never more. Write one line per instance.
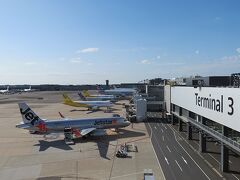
(27, 113)
(66, 99)
(86, 93)
(7, 88)
(82, 97)
(100, 89)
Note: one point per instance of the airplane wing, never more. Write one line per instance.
(86, 131)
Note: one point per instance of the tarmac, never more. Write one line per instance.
(33, 156)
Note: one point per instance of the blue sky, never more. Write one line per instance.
(89, 41)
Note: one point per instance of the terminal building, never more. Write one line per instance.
(214, 111)
(211, 107)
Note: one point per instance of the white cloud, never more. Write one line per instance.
(145, 61)
(88, 50)
(158, 57)
(30, 63)
(197, 52)
(238, 50)
(76, 60)
(231, 58)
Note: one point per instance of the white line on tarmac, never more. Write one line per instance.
(192, 158)
(169, 149)
(214, 158)
(235, 177)
(184, 160)
(178, 165)
(163, 138)
(166, 160)
(220, 163)
(158, 125)
(155, 152)
(155, 127)
(161, 130)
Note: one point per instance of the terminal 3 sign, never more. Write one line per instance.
(221, 105)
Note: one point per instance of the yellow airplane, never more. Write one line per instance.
(93, 105)
(97, 97)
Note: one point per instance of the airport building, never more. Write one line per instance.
(213, 111)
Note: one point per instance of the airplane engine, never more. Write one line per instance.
(99, 132)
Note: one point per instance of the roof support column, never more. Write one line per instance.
(189, 131)
(224, 152)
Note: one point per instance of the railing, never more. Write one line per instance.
(228, 141)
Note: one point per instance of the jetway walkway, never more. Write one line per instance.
(219, 136)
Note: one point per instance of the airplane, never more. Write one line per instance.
(122, 92)
(78, 127)
(91, 105)
(3, 91)
(28, 90)
(85, 96)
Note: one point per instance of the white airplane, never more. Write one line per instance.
(91, 105)
(121, 91)
(118, 92)
(3, 91)
(28, 90)
(72, 128)
(85, 96)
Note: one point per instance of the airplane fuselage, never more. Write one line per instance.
(121, 92)
(50, 126)
(95, 103)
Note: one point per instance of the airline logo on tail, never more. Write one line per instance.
(28, 115)
(66, 99)
(82, 96)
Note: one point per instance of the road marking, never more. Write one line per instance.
(166, 160)
(235, 177)
(163, 138)
(156, 153)
(178, 165)
(176, 136)
(184, 160)
(219, 163)
(161, 130)
(169, 149)
(158, 125)
(165, 127)
(214, 158)
(155, 127)
(159, 147)
(191, 157)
